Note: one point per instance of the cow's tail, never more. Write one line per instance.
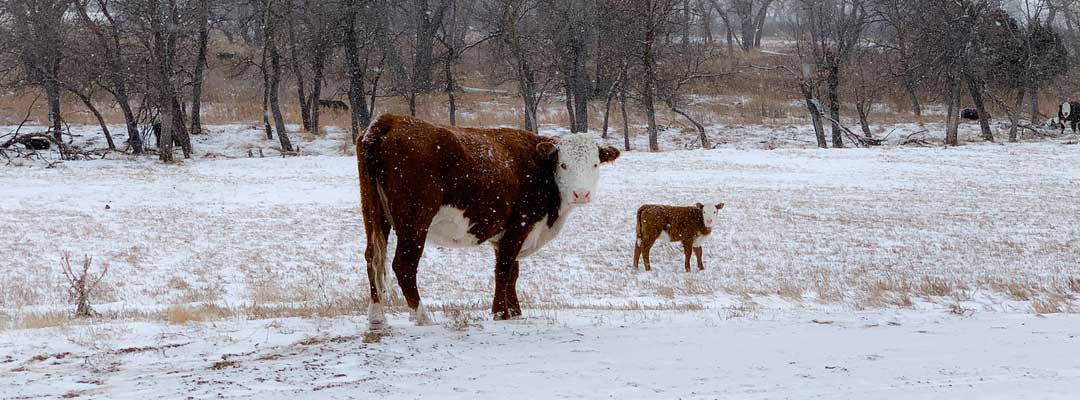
(376, 219)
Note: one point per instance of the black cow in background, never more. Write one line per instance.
(972, 114)
(1069, 112)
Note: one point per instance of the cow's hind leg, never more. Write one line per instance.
(700, 265)
(646, 247)
(406, 259)
(375, 254)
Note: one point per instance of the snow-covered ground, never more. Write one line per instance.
(924, 267)
(563, 354)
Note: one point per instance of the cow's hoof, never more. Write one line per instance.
(376, 318)
(420, 316)
(503, 315)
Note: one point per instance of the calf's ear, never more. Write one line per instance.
(547, 149)
(719, 206)
(608, 154)
(699, 205)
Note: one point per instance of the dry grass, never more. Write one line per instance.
(930, 286)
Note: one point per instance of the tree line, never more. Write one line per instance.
(149, 57)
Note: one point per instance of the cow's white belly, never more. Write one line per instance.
(541, 233)
(450, 228)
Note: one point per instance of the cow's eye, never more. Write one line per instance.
(563, 166)
(595, 165)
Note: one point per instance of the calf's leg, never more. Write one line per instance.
(646, 247)
(697, 252)
(688, 249)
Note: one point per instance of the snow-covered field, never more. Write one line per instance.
(924, 268)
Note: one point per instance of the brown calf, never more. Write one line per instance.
(461, 187)
(688, 225)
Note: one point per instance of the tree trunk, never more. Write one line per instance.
(984, 118)
(952, 117)
(180, 133)
(1034, 90)
(570, 106)
(864, 110)
(52, 92)
(357, 104)
(647, 92)
(579, 82)
(815, 114)
(316, 91)
(427, 22)
(1014, 116)
(275, 78)
(759, 23)
(374, 93)
(833, 85)
(89, 103)
(200, 67)
(607, 103)
(701, 129)
(909, 86)
(266, 77)
(625, 118)
(305, 109)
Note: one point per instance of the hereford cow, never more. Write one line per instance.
(460, 187)
(688, 225)
(1069, 112)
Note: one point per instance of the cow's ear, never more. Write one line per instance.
(719, 206)
(699, 206)
(547, 149)
(608, 154)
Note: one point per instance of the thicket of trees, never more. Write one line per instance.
(149, 57)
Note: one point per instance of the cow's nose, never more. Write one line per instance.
(581, 196)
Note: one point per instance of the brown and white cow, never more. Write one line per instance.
(460, 187)
(688, 225)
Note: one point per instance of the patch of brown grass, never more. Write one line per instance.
(930, 286)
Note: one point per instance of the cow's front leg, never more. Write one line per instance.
(700, 265)
(505, 304)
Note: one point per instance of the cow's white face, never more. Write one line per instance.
(577, 165)
(1066, 110)
(711, 214)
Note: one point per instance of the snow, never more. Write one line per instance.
(883, 247)
(564, 354)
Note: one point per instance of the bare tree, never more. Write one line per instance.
(832, 31)
(272, 73)
(202, 16)
(107, 38)
(40, 40)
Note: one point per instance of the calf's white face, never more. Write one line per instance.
(1066, 110)
(577, 165)
(711, 214)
